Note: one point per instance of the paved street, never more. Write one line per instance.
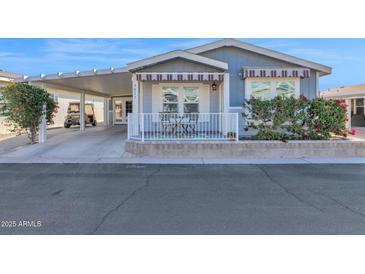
(181, 199)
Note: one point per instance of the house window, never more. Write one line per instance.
(266, 89)
(54, 96)
(360, 106)
(261, 90)
(285, 88)
(191, 100)
(170, 102)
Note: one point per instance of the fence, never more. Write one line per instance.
(187, 126)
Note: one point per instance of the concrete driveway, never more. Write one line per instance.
(182, 199)
(69, 145)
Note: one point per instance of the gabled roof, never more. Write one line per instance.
(260, 50)
(176, 54)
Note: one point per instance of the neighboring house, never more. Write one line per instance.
(6, 77)
(354, 96)
(195, 94)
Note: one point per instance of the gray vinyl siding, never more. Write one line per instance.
(308, 86)
(179, 65)
(147, 97)
(238, 58)
(214, 101)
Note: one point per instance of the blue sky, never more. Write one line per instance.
(35, 56)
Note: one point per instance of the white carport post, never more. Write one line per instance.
(106, 112)
(42, 129)
(82, 111)
(42, 132)
(348, 122)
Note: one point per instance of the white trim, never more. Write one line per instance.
(123, 99)
(204, 92)
(61, 75)
(273, 81)
(177, 54)
(226, 93)
(135, 94)
(141, 97)
(263, 51)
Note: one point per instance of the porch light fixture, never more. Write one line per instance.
(214, 86)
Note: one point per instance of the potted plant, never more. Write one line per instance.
(231, 135)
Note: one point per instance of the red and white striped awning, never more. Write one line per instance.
(276, 72)
(180, 76)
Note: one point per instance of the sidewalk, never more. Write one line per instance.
(194, 161)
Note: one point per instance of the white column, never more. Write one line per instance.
(135, 91)
(355, 107)
(226, 92)
(82, 111)
(42, 131)
(317, 85)
(348, 103)
(106, 112)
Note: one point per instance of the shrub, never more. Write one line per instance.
(23, 108)
(285, 118)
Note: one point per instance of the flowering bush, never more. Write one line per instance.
(288, 118)
(23, 108)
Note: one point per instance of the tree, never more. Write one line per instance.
(23, 108)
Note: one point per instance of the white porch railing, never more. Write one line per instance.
(187, 126)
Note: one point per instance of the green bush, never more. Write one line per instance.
(23, 108)
(285, 118)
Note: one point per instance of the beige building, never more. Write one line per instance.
(354, 96)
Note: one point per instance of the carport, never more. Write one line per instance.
(107, 83)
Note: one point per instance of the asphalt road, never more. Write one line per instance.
(181, 199)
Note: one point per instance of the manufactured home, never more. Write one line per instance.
(193, 94)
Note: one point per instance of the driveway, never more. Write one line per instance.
(182, 199)
(69, 145)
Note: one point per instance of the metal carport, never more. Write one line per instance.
(105, 83)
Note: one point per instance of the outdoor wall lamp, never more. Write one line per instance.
(214, 86)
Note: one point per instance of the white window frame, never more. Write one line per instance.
(199, 96)
(273, 83)
(180, 86)
(54, 96)
(172, 103)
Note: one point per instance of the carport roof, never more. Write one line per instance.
(113, 81)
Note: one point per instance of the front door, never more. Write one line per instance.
(122, 106)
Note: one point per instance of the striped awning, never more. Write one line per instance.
(276, 72)
(180, 76)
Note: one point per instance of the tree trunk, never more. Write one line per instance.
(33, 135)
